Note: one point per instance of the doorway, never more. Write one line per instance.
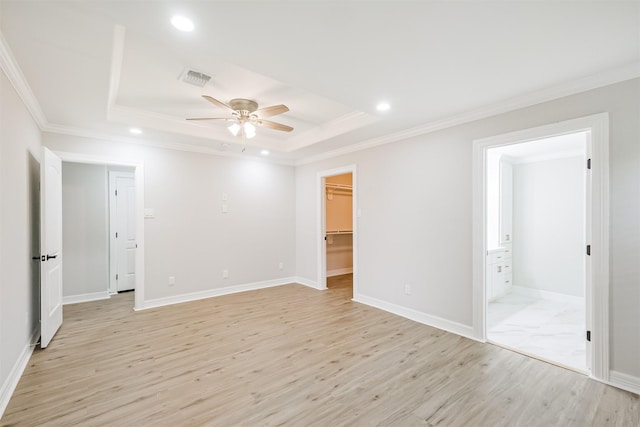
(536, 235)
(98, 211)
(135, 197)
(337, 229)
(596, 239)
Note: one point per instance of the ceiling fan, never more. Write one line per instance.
(245, 116)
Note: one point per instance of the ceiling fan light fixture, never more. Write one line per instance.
(234, 129)
(249, 130)
(182, 23)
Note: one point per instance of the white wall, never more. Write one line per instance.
(190, 238)
(420, 232)
(85, 229)
(549, 222)
(19, 231)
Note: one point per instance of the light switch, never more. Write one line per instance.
(149, 213)
(225, 208)
(225, 197)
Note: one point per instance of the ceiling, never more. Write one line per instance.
(101, 67)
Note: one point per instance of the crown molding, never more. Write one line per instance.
(9, 65)
(594, 81)
(117, 55)
(191, 148)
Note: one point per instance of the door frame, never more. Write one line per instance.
(113, 176)
(139, 182)
(597, 233)
(321, 224)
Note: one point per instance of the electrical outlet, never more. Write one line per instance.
(225, 274)
(407, 289)
(172, 280)
(281, 265)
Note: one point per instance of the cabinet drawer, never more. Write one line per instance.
(495, 257)
(507, 279)
(506, 267)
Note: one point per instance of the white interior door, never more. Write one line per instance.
(51, 244)
(123, 233)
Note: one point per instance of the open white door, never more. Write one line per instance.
(51, 244)
(123, 231)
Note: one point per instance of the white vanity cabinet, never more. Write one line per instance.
(499, 272)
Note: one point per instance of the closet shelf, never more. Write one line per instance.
(339, 232)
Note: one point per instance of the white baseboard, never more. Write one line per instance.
(195, 296)
(95, 296)
(418, 316)
(339, 271)
(10, 384)
(548, 295)
(306, 282)
(624, 381)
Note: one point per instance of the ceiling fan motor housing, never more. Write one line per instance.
(241, 104)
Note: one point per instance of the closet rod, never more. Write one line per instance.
(339, 186)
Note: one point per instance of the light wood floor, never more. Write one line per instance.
(293, 356)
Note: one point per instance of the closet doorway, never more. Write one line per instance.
(536, 238)
(337, 229)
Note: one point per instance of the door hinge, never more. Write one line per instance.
(589, 336)
(589, 250)
(116, 234)
(116, 192)
(588, 163)
(116, 277)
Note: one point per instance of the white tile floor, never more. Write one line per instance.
(552, 330)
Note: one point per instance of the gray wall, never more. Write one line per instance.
(548, 225)
(420, 232)
(19, 228)
(85, 229)
(190, 238)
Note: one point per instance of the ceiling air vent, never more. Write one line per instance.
(195, 78)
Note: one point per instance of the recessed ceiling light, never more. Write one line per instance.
(264, 152)
(135, 131)
(383, 106)
(182, 23)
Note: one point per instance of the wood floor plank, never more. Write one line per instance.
(291, 355)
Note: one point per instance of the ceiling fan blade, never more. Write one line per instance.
(273, 125)
(210, 118)
(274, 110)
(218, 103)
